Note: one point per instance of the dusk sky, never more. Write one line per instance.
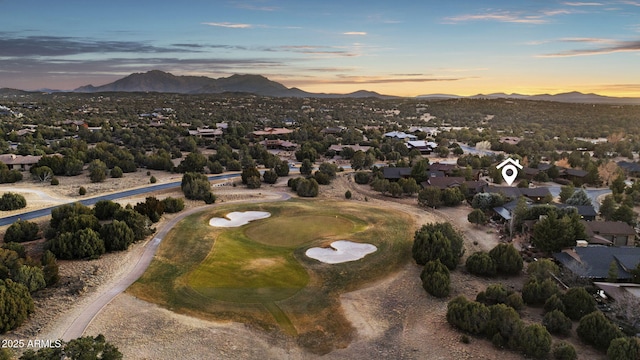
(404, 48)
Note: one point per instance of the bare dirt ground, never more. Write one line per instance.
(394, 317)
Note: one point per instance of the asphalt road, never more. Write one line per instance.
(119, 195)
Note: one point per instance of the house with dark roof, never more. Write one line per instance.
(535, 194)
(593, 261)
(444, 182)
(425, 147)
(574, 175)
(396, 173)
(617, 233)
(586, 212)
(631, 168)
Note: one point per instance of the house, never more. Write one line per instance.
(331, 130)
(206, 132)
(575, 175)
(279, 144)
(511, 140)
(444, 182)
(447, 169)
(594, 261)
(338, 148)
(401, 135)
(631, 168)
(619, 291)
(272, 131)
(425, 147)
(586, 212)
(618, 233)
(396, 173)
(19, 162)
(538, 194)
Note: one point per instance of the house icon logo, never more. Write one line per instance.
(509, 170)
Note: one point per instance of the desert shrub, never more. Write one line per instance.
(82, 244)
(322, 178)
(554, 303)
(481, 264)
(505, 321)
(542, 269)
(153, 180)
(536, 292)
(50, 268)
(117, 236)
(562, 350)
(82, 191)
(493, 294)
(624, 348)
(116, 172)
(578, 303)
(469, 316)
(11, 201)
(21, 231)
(557, 323)
(97, 171)
(507, 258)
(362, 177)
(30, 276)
(535, 341)
(347, 194)
(15, 304)
(595, 329)
(173, 205)
(435, 279)
(270, 176)
(515, 301)
(55, 181)
(437, 241)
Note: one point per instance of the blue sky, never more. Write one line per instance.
(397, 47)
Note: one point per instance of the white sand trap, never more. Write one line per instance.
(341, 251)
(236, 218)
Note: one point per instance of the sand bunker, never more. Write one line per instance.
(341, 251)
(235, 219)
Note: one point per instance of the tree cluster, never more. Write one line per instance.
(438, 241)
(196, 186)
(82, 348)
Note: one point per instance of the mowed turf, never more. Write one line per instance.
(258, 273)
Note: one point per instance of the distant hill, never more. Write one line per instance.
(159, 81)
(570, 97)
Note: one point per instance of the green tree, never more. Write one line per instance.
(435, 279)
(282, 168)
(597, 330)
(477, 217)
(270, 176)
(624, 213)
(50, 268)
(11, 201)
(419, 171)
(566, 192)
(97, 171)
(137, 222)
(362, 177)
(117, 236)
(15, 304)
(116, 172)
(507, 258)
(562, 350)
(469, 316)
(395, 189)
(92, 348)
(480, 263)
(554, 303)
(578, 303)
(409, 186)
(194, 162)
(82, 244)
(42, 173)
(608, 208)
(542, 269)
(452, 196)
(105, 209)
(306, 167)
(30, 276)
(197, 187)
(612, 275)
(151, 208)
(579, 198)
(307, 188)
(503, 321)
(535, 341)
(536, 291)
(437, 241)
(173, 205)
(557, 323)
(430, 196)
(624, 348)
(21, 231)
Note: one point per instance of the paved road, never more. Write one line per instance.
(82, 321)
(119, 195)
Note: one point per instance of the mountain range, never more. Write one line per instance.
(163, 82)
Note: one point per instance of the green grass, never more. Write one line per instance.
(258, 274)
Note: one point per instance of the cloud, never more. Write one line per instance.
(386, 80)
(229, 25)
(633, 3)
(63, 46)
(540, 17)
(583, 4)
(618, 46)
(356, 33)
